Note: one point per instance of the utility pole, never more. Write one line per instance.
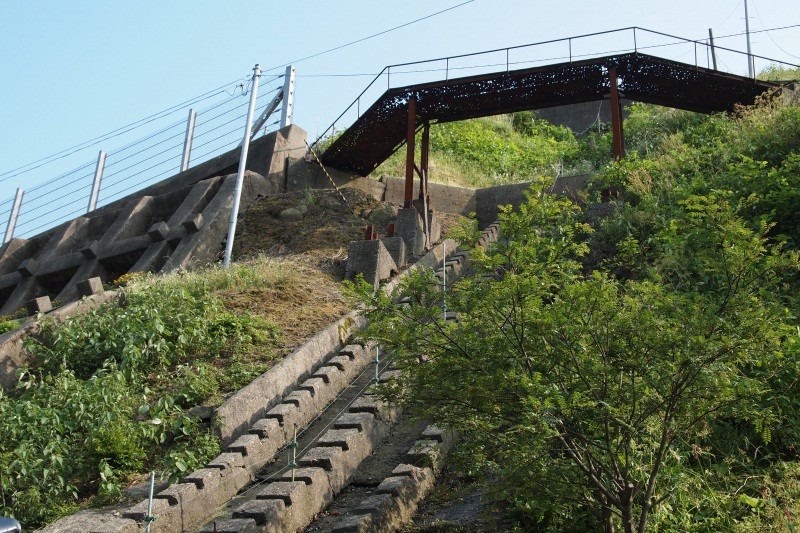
(750, 72)
(713, 52)
(237, 193)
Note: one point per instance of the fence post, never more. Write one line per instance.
(12, 218)
(237, 194)
(187, 142)
(288, 97)
(150, 518)
(98, 178)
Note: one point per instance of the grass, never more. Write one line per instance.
(288, 298)
(498, 150)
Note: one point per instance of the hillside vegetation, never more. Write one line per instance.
(638, 372)
(128, 388)
(693, 275)
(504, 149)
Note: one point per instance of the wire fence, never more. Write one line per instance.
(218, 128)
(700, 53)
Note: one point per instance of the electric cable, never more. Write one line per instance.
(378, 34)
(729, 14)
(770, 35)
(114, 133)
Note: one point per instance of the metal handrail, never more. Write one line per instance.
(569, 40)
(135, 164)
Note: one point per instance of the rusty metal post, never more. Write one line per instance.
(410, 132)
(616, 117)
(424, 156)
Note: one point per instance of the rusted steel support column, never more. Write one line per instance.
(616, 117)
(425, 150)
(410, 131)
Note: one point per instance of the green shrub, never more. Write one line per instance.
(106, 393)
(8, 325)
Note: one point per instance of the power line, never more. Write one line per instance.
(765, 30)
(4, 176)
(770, 36)
(729, 14)
(373, 35)
(417, 71)
(110, 135)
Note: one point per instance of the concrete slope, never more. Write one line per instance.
(176, 223)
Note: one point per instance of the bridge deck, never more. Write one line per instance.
(381, 130)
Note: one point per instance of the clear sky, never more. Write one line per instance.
(74, 70)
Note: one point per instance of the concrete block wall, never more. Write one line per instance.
(188, 504)
(378, 259)
(250, 404)
(168, 225)
(397, 497)
(288, 505)
(370, 259)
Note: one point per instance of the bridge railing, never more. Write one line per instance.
(699, 53)
(174, 144)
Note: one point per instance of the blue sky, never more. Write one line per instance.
(74, 70)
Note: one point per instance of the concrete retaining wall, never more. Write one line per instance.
(243, 409)
(483, 202)
(287, 506)
(444, 198)
(397, 497)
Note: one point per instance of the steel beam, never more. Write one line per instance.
(411, 129)
(616, 117)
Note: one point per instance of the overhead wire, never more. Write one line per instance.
(4, 176)
(729, 14)
(779, 47)
(114, 133)
(372, 36)
(419, 71)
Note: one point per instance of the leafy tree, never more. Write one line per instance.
(583, 391)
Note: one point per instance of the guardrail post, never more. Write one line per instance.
(12, 218)
(187, 142)
(98, 178)
(237, 194)
(288, 97)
